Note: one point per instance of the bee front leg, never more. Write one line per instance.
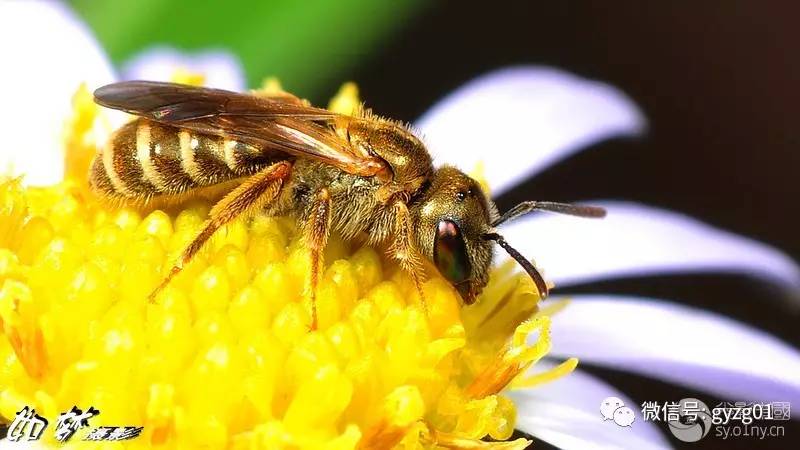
(402, 249)
(253, 194)
(317, 229)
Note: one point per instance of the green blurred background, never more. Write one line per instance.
(307, 44)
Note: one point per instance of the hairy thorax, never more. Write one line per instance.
(365, 204)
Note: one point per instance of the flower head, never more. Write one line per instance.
(225, 356)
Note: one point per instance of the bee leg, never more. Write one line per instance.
(317, 228)
(403, 250)
(253, 194)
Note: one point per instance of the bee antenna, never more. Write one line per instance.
(537, 278)
(561, 208)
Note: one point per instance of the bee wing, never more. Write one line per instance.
(281, 123)
(173, 103)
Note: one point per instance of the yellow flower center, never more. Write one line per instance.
(224, 358)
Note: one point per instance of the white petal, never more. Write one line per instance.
(566, 413)
(519, 120)
(636, 240)
(221, 69)
(47, 52)
(679, 344)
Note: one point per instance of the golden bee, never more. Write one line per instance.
(359, 175)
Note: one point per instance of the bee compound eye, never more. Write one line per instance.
(450, 252)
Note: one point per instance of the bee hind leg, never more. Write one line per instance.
(253, 194)
(316, 231)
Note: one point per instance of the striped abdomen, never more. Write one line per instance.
(145, 159)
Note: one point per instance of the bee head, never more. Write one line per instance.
(455, 228)
(450, 219)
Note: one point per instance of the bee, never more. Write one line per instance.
(360, 175)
